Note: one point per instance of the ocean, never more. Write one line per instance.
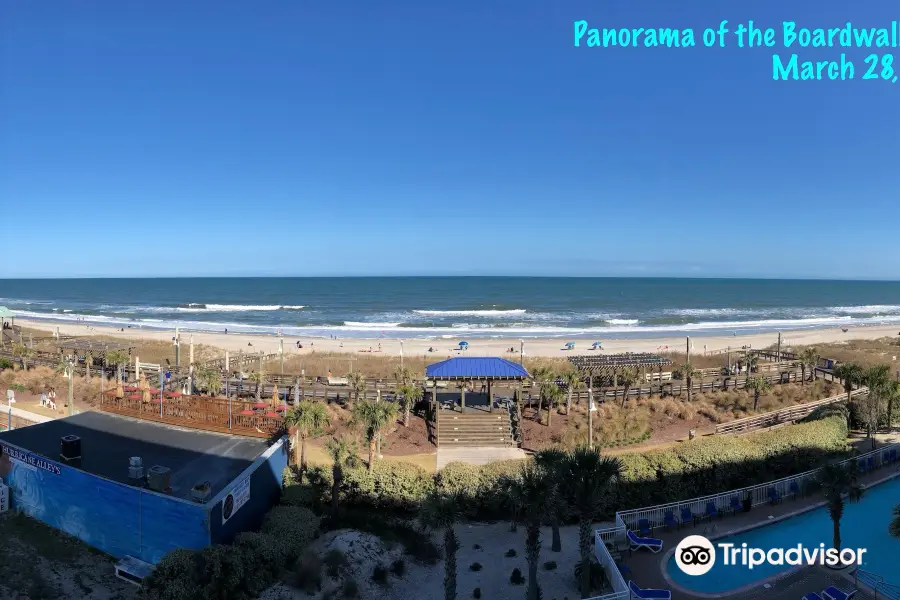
(478, 307)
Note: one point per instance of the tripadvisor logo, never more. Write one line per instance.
(696, 555)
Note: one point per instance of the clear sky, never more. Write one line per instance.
(417, 137)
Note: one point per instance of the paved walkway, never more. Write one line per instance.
(647, 569)
(477, 455)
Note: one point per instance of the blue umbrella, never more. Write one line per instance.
(595, 345)
(570, 345)
(464, 343)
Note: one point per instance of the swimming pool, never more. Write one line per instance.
(865, 525)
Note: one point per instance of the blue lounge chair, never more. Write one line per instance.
(643, 527)
(648, 594)
(795, 489)
(734, 503)
(774, 495)
(894, 455)
(712, 511)
(812, 596)
(687, 515)
(669, 520)
(652, 544)
(832, 593)
(862, 465)
(870, 464)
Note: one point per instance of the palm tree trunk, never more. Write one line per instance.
(451, 545)
(802, 375)
(584, 549)
(690, 384)
(890, 414)
(406, 414)
(532, 555)
(549, 411)
(371, 453)
(556, 543)
(836, 523)
(755, 400)
(303, 452)
(569, 401)
(337, 475)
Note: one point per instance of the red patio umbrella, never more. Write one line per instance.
(279, 409)
(174, 394)
(247, 412)
(272, 415)
(134, 397)
(157, 400)
(261, 405)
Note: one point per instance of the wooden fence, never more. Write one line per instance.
(197, 412)
(778, 417)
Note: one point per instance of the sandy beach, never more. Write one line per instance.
(234, 342)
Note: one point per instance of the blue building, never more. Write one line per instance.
(138, 489)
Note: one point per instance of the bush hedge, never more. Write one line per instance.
(704, 465)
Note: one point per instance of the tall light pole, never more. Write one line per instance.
(522, 352)
(401, 354)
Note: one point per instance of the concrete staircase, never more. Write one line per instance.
(474, 428)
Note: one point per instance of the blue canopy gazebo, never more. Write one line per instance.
(488, 369)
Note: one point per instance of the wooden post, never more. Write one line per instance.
(191, 353)
(137, 367)
(591, 410)
(281, 352)
(490, 396)
(462, 398)
(688, 349)
(437, 414)
(778, 355)
(71, 394)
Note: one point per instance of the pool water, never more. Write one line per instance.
(864, 525)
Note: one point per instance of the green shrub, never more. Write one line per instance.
(550, 565)
(393, 485)
(380, 574)
(516, 577)
(176, 577)
(263, 561)
(292, 529)
(335, 561)
(475, 566)
(307, 574)
(720, 463)
(511, 553)
(5, 363)
(476, 593)
(398, 567)
(300, 495)
(350, 591)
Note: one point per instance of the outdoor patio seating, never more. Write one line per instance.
(648, 594)
(652, 544)
(812, 596)
(833, 593)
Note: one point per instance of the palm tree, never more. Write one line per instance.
(687, 373)
(627, 378)
(441, 512)
(23, 352)
(850, 375)
(552, 460)
(403, 376)
(809, 358)
(210, 380)
(751, 360)
(544, 378)
(408, 394)
(573, 382)
(877, 379)
(894, 527)
(554, 397)
(892, 396)
(357, 383)
(535, 488)
(758, 385)
(837, 481)
(88, 363)
(372, 417)
(118, 359)
(588, 476)
(343, 455)
(258, 378)
(307, 418)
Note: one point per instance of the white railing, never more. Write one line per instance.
(616, 581)
(759, 494)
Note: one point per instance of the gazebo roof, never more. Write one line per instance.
(612, 361)
(465, 367)
(5, 313)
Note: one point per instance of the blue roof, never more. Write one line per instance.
(486, 367)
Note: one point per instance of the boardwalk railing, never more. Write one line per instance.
(785, 415)
(877, 584)
(197, 412)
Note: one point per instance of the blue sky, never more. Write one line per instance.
(410, 137)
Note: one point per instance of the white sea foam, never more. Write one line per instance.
(471, 313)
(370, 325)
(867, 309)
(622, 321)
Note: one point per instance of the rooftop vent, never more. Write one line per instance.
(135, 469)
(200, 492)
(158, 478)
(70, 447)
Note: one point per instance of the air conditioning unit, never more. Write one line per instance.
(4, 498)
(158, 478)
(135, 468)
(70, 447)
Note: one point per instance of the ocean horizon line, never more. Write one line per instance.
(555, 277)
